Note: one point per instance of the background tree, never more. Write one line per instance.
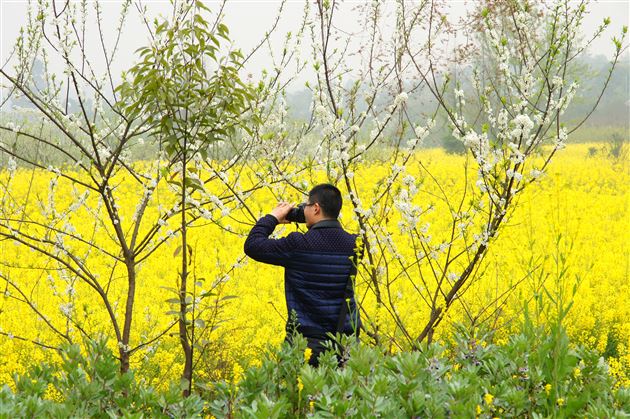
(86, 148)
(509, 121)
(82, 133)
(187, 90)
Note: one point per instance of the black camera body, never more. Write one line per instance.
(296, 214)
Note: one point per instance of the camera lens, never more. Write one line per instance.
(296, 214)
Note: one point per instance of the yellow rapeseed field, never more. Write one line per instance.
(577, 214)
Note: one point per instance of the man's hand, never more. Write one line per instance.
(281, 211)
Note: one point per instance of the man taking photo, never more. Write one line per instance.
(318, 265)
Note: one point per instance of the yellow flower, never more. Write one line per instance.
(479, 410)
(488, 398)
(237, 372)
(596, 178)
(307, 354)
(300, 384)
(311, 405)
(577, 372)
(560, 401)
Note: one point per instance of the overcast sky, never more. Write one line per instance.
(248, 20)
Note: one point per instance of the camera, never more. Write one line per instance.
(296, 214)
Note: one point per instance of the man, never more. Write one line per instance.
(317, 265)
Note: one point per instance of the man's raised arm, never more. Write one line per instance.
(260, 247)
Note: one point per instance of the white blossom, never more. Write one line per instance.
(400, 99)
(481, 185)
(70, 291)
(321, 112)
(412, 142)
(502, 119)
(524, 123)
(421, 132)
(408, 180)
(560, 140)
(66, 309)
(11, 165)
(514, 174)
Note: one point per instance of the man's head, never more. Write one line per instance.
(324, 203)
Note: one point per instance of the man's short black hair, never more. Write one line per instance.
(328, 197)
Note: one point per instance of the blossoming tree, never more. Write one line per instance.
(508, 115)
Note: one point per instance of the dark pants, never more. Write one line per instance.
(316, 344)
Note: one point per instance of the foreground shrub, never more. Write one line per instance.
(90, 385)
(535, 374)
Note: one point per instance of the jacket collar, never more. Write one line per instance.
(326, 224)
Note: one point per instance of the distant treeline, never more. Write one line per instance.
(612, 115)
(610, 120)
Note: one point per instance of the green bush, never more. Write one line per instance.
(535, 374)
(617, 147)
(90, 385)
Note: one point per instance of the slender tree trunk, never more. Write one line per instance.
(131, 292)
(183, 336)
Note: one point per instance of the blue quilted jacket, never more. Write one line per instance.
(317, 266)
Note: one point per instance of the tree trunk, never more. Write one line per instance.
(183, 336)
(131, 293)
